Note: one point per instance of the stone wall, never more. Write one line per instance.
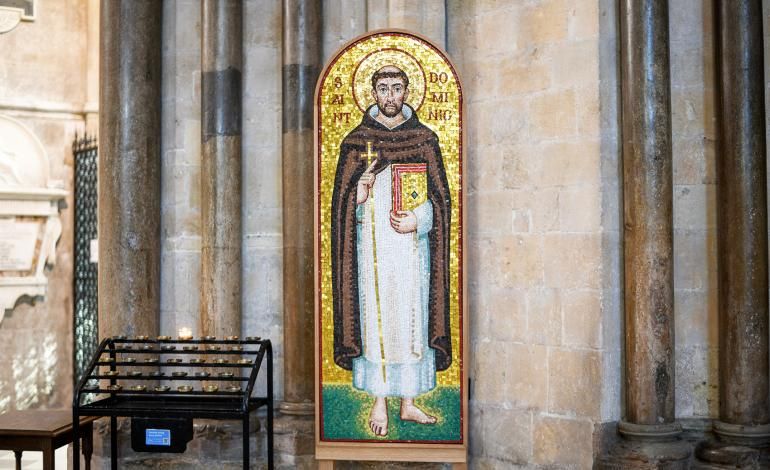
(180, 168)
(544, 218)
(43, 83)
(695, 261)
(542, 227)
(554, 64)
(262, 185)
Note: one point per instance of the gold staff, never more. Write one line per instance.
(369, 156)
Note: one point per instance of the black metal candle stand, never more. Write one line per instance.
(144, 378)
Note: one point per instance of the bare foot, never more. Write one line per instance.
(410, 412)
(378, 418)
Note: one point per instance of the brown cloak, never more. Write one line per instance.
(411, 142)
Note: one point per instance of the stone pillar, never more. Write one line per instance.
(648, 215)
(742, 229)
(221, 59)
(744, 415)
(301, 55)
(649, 428)
(129, 167)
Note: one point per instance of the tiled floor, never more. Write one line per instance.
(32, 460)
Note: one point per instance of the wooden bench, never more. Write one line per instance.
(43, 431)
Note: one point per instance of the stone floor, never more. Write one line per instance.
(31, 460)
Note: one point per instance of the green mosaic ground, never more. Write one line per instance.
(346, 413)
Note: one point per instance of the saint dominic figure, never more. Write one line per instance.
(390, 226)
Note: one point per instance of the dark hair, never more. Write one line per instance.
(378, 75)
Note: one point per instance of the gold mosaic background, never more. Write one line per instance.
(339, 114)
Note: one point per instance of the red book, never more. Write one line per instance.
(409, 185)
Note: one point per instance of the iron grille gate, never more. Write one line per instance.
(86, 334)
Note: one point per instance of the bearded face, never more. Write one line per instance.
(390, 94)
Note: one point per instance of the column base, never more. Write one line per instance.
(735, 446)
(650, 432)
(294, 442)
(713, 454)
(297, 409)
(648, 447)
(749, 436)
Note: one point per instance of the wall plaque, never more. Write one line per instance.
(390, 320)
(14, 11)
(29, 214)
(17, 244)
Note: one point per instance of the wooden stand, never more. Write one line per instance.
(329, 465)
(44, 431)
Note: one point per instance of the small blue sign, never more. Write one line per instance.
(157, 437)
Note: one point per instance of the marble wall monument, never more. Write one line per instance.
(29, 214)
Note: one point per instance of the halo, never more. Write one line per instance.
(362, 77)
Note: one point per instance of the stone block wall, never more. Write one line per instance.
(691, 32)
(43, 84)
(262, 181)
(181, 168)
(346, 19)
(542, 227)
(544, 203)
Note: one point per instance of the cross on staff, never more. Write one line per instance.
(369, 157)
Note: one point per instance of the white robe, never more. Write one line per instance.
(403, 277)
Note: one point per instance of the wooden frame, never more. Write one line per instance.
(329, 451)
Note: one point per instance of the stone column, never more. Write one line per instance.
(301, 55)
(649, 428)
(648, 215)
(221, 59)
(744, 416)
(742, 229)
(129, 167)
